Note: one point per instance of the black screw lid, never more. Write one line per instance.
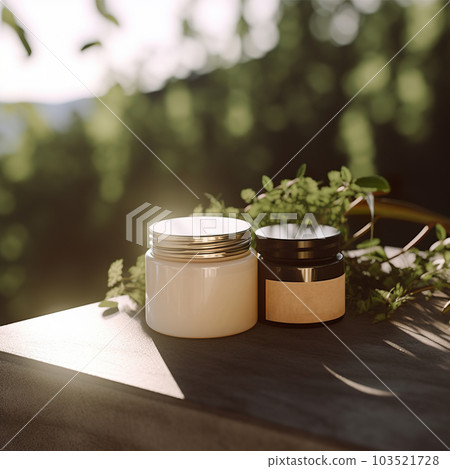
(287, 242)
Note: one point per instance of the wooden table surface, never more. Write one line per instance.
(271, 388)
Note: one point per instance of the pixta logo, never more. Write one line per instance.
(140, 219)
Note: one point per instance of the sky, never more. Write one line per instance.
(143, 52)
(149, 46)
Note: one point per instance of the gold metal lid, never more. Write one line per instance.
(202, 237)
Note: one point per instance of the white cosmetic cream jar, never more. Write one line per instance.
(201, 277)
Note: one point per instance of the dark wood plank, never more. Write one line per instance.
(97, 414)
(283, 388)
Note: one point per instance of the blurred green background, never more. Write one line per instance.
(70, 173)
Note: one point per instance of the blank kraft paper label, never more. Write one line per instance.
(326, 300)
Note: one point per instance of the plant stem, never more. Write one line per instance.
(419, 290)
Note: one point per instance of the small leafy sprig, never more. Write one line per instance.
(329, 203)
(377, 284)
(131, 284)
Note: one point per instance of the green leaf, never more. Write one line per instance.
(115, 272)
(247, 195)
(115, 291)
(188, 31)
(215, 205)
(267, 183)
(374, 183)
(368, 243)
(440, 232)
(446, 307)
(231, 210)
(108, 304)
(242, 27)
(90, 44)
(383, 294)
(9, 19)
(346, 174)
(379, 317)
(334, 177)
(132, 284)
(138, 296)
(198, 209)
(101, 7)
(274, 195)
(301, 171)
(137, 272)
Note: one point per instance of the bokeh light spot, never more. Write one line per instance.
(344, 25)
(13, 241)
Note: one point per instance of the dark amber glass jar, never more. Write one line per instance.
(301, 280)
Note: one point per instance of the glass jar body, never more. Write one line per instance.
(301, 292)
(206, 299)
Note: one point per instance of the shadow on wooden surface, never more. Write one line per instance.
(97, 414)
(308, 379)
